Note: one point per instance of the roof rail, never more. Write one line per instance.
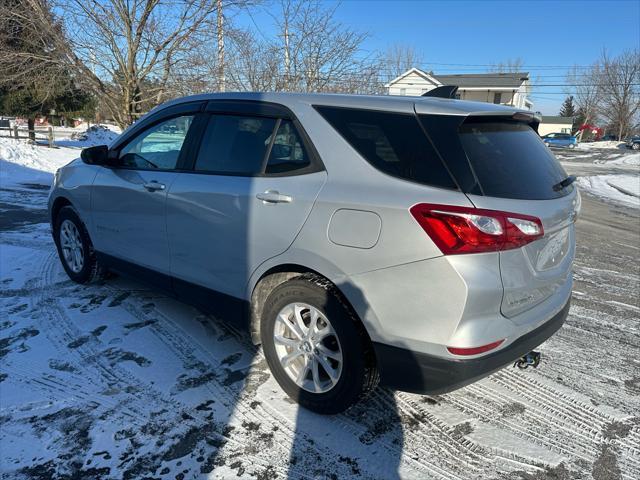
(445, 91)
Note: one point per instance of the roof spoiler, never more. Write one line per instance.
(531, 118)
(445, 91)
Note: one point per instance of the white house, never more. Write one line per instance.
(503, 88)
(555, 124)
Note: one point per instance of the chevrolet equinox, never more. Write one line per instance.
(420, 243)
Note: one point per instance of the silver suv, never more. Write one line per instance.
(422, 243)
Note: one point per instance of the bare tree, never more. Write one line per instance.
(398, 59)
(319, 53)
(511, 65)
(123, 51)
(586, 92)
(618, 82)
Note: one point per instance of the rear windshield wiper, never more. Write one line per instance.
(564, 183)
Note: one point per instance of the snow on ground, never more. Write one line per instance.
(22, 162)
(624, 189)
(94, 135)
(116, 380)
(632, 159)
(601, 145)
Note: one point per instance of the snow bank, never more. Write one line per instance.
(624, 189)
(94, 135)
(22, 162)
(601, 145)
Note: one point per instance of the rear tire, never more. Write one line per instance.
(328, 375)
(75, 248)
(546, 144)
(571, 146)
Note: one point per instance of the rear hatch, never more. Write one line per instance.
(501, 163)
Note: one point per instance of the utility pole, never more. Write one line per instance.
(221, 79)
(287, 59)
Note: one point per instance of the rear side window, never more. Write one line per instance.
(510, 161)
(394, 143)
(235, 144)
(287, 152)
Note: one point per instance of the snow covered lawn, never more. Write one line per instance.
(118, 381)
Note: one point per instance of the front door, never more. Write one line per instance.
(252, 187)
(128, 201)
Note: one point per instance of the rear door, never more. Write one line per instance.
(253, 183)
(517, 173)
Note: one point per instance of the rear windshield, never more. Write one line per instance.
(510, 160)
(394, 143)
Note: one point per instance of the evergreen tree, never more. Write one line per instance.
(568, 109)
(44, 89)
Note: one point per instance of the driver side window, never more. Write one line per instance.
(157, 147)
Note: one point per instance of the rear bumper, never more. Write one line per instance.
(416, 372)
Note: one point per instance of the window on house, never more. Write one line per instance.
(497, 97)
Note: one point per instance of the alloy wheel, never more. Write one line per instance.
(308, 347)
(71, 245)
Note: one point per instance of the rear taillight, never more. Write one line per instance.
(457, 230)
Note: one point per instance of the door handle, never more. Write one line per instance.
(273, 196)
(153, 186)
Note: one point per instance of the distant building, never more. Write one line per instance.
(502, 88)
(555, 124)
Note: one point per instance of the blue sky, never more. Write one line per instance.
(542, 33)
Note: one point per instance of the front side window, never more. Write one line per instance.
(235, 144)
(157, 147)
(287, 153)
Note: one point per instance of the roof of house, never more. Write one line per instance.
(557, 119)
(479, 80)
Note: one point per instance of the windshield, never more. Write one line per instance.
(510, 160)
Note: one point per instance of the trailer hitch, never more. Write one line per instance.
(531, 359)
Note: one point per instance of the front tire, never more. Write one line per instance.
(635, 146)
(75, 248)
(316, 348)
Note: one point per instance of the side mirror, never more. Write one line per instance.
(98, 155)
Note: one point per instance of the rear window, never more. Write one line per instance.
(510, 160)
(394, 143)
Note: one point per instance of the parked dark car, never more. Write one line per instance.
(634, 142)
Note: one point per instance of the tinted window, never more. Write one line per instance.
(392, 142)
(511, 161)
(235, 144)
(287, 153)
(157, 147)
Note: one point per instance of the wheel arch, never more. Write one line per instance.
(58, 204)
(278, 274)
